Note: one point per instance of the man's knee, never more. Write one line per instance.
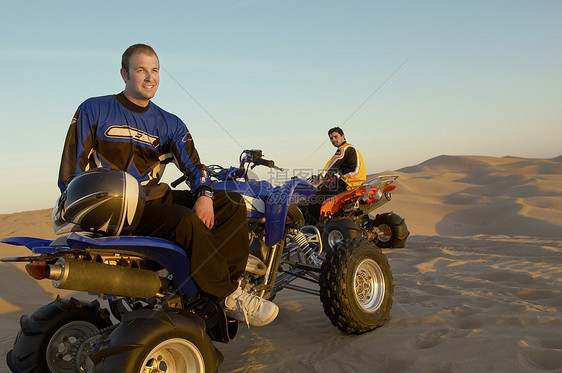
(230, 201)
(230, 196)
(187, 218)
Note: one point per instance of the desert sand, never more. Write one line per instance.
(478, 287)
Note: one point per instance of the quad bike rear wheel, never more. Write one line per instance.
(48, 337)
(339, 230)
(393, 230)
(157, 342)
(356, 286)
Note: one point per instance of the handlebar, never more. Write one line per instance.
(255, 156)
(247, 157)
(264, 162)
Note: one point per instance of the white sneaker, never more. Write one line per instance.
(254, 310)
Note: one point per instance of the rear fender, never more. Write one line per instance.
(165, 253)
(370, 191)
(36, 245)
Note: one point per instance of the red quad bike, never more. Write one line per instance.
(347, 215)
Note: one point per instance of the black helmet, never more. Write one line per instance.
(100, 200)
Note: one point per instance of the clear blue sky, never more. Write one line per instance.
(428, 78)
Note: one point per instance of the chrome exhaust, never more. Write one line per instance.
(102, 278)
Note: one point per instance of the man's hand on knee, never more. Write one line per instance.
(203, 208)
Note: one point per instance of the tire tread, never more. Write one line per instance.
(334, 292)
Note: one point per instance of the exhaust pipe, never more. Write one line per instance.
(102, 278)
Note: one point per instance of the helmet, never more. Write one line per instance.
(100, 200)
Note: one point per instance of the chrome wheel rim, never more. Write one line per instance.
(62, 343)
(176, 355)
(369, 285)
(385, 233)
(335, 237)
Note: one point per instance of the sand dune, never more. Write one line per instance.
(478, 287)
(482, 195)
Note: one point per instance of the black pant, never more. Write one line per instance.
(325, 190)
(218, 256)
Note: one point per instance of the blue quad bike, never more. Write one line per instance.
(161, 322)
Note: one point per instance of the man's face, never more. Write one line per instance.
(141, 81)
(336, 139)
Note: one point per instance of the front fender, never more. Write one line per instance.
(277, 205)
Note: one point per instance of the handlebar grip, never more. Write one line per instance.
(264, 162)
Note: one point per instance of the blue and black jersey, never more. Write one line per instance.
(113, 132)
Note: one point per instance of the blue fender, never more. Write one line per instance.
(164, 252)
(276, 199)
(277, 206)
(31, 243)
(254, 189)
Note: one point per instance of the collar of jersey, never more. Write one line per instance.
(131, 106)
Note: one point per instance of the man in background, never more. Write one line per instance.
(344, 171)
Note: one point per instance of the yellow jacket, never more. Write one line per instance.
(348, 164)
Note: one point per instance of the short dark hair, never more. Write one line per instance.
(335, 129)
(133, 49)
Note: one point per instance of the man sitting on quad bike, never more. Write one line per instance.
(347, 162)
(128, 132)
(342, 206)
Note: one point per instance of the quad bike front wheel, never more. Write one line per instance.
(157, 342)
(48, 336)
(393, 230)
(356, 286)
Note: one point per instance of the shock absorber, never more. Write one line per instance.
(305, 249)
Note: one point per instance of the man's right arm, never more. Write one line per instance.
(188, 161)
